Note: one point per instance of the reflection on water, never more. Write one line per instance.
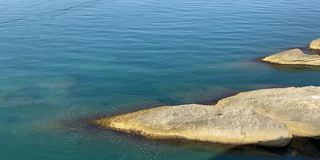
(64, 60)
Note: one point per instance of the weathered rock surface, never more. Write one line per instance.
(298, 108)
(293, 57)
(266, 117)
(315, 44)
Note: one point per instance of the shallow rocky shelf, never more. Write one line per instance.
(269, 117)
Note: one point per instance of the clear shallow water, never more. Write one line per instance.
(65, 60)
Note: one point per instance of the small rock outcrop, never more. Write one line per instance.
(315, 44)
(293, 57)
(269, 117)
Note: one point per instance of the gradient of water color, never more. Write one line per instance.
(65, 60)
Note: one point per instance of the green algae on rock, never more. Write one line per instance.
(269, 117)
(293, 57)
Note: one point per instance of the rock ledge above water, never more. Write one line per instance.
(293, 57)
(269, 117)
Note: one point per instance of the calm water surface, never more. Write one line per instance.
(65, 60)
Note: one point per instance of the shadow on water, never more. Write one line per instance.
(294, 68)
(304, 148)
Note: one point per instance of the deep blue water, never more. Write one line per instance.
(62, 61)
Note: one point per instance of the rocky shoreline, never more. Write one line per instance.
(267, 117)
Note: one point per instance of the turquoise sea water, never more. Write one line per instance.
(64, 61)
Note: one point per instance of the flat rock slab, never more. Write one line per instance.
(293, 57)
(266, 117)
(298, 108)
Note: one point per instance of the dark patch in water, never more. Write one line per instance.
(13, 119)
(218, 98)
(82, 123)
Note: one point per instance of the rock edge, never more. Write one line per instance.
(293, 57)
(269, 117)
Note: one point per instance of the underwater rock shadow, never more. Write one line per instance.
(305, 148)
(294, 68)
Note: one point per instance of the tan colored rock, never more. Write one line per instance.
(298, 108)
(293, 57)
(265, 117)
(202, 123)
(315, 44)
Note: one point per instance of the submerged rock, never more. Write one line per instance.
(293, 57)
(266, 117)
(315, 44)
